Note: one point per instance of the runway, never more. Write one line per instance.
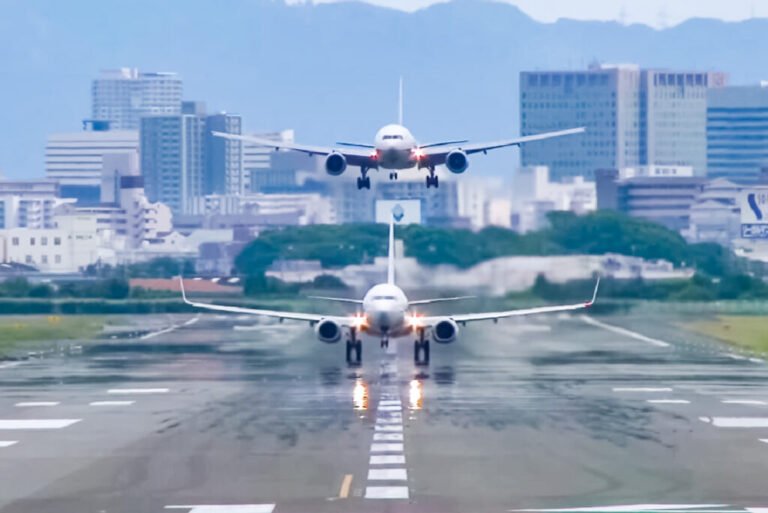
(218, 415)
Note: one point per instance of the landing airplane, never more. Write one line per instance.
(395, 148)
(387, 312)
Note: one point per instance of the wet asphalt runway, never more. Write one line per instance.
(550, 412)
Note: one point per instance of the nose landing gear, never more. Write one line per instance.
(421, 349)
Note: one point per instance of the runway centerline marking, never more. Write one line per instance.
(36, 403)
(623, 331)
(643, 389)
(387, 459)
(388, 427)
(36, 423)
(668, 401)
(630, 508)
(387, 474)
(388, 437)
(736, 422)
(386, 447)
(753, 402)
(346, 484)
(125, 391)
(111, 403)
(389, 408)
(386, 492)
(226, 508)
(7, 443)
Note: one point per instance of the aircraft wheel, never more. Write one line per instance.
(367, 181)
(426, 352)
(359, 351)
(436, 182)
(349, 351)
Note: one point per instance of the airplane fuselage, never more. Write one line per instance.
(395, 148)
(385, 309)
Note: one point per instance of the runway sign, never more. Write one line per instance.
(754, 213)
(407, 211)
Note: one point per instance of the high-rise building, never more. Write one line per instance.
(223, 157)
(267, 170)
(632, 116)
(75, 159)
(737, 132)
(123, 96)
(28, 203)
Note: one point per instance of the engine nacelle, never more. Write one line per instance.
(456, 161)
(335, 164)
(445, 331)
(328, 331)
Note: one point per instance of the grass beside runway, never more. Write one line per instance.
(745, 331)
(16, 330)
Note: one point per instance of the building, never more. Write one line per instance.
(716, 214)
(28, 203)
(123, 96)
(305, 208)
(75, 159)
(664, 200)
(632, 116)
(181, 161)
(737, 132)
(270, 171)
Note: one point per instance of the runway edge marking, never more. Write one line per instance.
(623, 331)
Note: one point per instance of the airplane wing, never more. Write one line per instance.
(494, 316)
(338, 299)
(355, 155)
(437, 154)
(442, 143)
(438, 300)
(292, 316)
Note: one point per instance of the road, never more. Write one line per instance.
(221, 416)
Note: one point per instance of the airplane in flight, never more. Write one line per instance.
(395, 148)
(386, 312)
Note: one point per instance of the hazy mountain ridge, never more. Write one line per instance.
(329, 71)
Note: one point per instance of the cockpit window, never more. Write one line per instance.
(393, 137)
(384, 297)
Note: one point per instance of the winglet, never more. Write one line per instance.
(183, 292)
(594, 294)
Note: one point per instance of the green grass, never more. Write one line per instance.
(15, 330)
(746, 331)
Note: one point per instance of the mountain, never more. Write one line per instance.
(330, 71)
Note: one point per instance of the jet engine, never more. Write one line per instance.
(445, 331)
(456, 161)
(335, 164)
(328, 331)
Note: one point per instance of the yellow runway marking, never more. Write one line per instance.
(346, 484)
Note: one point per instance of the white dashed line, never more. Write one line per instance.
(7, 443)
(668, 401)
(112, 403)
(385, 447)
(390, 402)
(387, 474)
(390, 408)
(386, 492)
(388, 428)
(629, 508)
(387, 459)
(227, 508)
(736, 422)
(642, 389)
(37, 403)
(126, 391)
(752, 402)
(388, 437)
(37, 423)
(624, 331)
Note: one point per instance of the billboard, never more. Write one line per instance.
(405, 211)
(754, 213)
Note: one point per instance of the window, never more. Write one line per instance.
(28, 259)
(57, 241)
(15, 241)
(57, 259)
(43, 241)
(44, 259)
(31, 241)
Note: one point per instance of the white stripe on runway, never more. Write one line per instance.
(385, 447)
(112, 403)
(37, 423)
(227, 508)
(386, 492)
(388, 428)
(390, 408)
(736, 422)
(668, 401)
(642, 389)
(623, 331)
(628, 508)
(752, 402)
(390, 402)
(387, 474)
(8, 443)
(118, 391)
(393, 420)
(37, 403)
(387, 459)
(388, 437)
(764, 440)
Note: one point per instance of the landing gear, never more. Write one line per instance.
(363, 182)
(421, 349)
(393, 176)
(432, 180)
(384, 342)
(354, 348)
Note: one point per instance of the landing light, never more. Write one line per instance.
(359, 321)
(415, 395)
(418, 153)
(415, 320)
(360, 395)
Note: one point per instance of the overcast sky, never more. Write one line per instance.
(657, 13)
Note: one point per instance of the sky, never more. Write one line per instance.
(656, 13)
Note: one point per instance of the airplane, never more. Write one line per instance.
(386, 312)
(395, 148)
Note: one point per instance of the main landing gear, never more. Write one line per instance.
(432, 180)
(364, 181)
(421, 349)
(354, 348)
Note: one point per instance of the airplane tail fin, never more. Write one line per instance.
(400, 104)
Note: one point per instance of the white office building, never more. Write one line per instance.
(123, 96)
(28, 203)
